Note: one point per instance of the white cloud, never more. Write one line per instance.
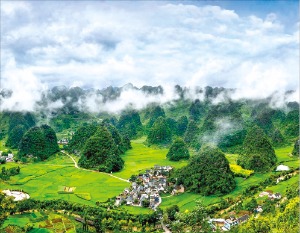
(98, 44)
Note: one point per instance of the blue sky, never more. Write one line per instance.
(249, 45)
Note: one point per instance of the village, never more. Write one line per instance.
(233, 220)
(146, 188)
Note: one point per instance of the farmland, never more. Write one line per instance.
(142, 157)
(92, 186)
(42, 181)
(43, 222)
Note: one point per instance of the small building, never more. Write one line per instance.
(282, 168)
(129, 200)
(258, 209)
(119, 200)
(178, 189)
(242, 219)
(266, 193)
(230, 223)
(276, 196)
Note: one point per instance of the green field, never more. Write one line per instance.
(142, 157)
(50, 223)
(42, 180)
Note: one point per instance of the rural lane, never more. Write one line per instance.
(76, 166)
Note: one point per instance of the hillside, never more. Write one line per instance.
(250, 139)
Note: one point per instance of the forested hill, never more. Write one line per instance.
(199, 116)
(223, 148)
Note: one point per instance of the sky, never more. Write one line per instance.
(249, 45)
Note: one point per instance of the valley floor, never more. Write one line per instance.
(42, 180)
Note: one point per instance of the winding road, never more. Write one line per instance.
(76, 166)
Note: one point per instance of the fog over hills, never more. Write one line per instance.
(100, 44)
(115, 99)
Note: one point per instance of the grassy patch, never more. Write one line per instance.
(42, 180)
(142, 157)
(282, 185)
(136, 209)
(284, 153)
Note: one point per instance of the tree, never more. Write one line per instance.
(207, 173)
(40, 142)
(192, 221)
(191, 134)
(160, 132)
(155, 114)
(19, 118)
(296, 148)
(122, 142)
(172, 124)
(258, 153)
(101, 152)
(182, 124)
(130, 124)
(196, 110)
(251, 205)
(264, 121)
(15, 136)
(171, 211)
(178, 151)
(81, 136)
(146, 203)
(291, 123)
(277, 137)
(253, 225)
(288, 220)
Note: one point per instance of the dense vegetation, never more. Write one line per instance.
(258, 153)
(7, 173)
(19, 123)
(178, 151)
(40, 142)
(296, 148)
(160, 133)
(207, 173)
(79, 138)
(15, 136)
(191, 136)
(101, 152)
(154, 114)
(247, 130)
(130, 124)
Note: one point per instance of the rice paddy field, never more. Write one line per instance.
(142, 157)
(44, 180)
(43, 222)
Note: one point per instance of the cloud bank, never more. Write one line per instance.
(98, 44)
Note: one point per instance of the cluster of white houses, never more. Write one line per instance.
(147, 186)
(8, 158)
(227, 224)
(270, 194)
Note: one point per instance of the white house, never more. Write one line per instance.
(282, 168)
